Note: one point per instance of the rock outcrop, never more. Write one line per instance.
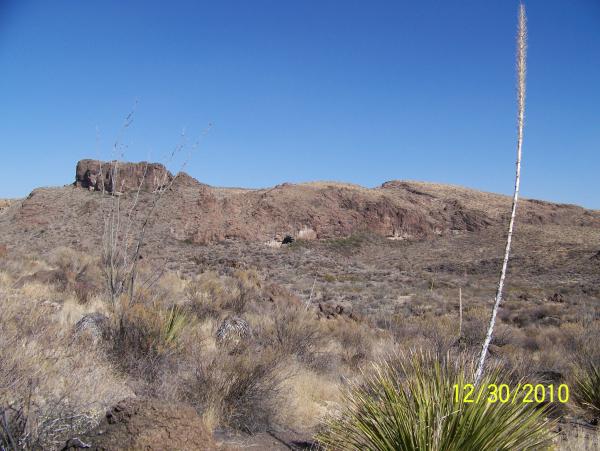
(116, 176)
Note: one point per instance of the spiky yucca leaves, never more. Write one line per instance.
(409, 404)
(586, 387)
(174, 321)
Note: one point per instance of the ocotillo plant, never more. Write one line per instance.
(521, 69)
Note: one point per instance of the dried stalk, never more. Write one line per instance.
(311, 293)
(460, 315)
(521, 69)
(124, 239)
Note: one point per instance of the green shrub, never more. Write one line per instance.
(587, 387)
(408, 404)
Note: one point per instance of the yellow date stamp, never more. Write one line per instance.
(504, 393)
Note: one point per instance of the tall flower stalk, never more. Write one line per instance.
(521, 70)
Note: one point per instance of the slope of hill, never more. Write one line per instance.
(195, 213)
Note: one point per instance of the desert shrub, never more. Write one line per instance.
(586, 387)
(409, 404)
(210, 295)
(241, 389)
(76, 272)
(578, 439)
(297, 332)
(473, 331)
(143, 337)
(204, 293)
(69, 262)
(238, 298)
(26, 426)
(348, 245)
(354, 339)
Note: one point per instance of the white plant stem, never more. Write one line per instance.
(460, 311)
(521, 69)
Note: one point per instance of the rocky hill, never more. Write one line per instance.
(195, 213)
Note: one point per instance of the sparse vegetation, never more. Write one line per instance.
(408, 403)
(195, 298)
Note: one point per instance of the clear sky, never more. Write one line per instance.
(356, 91)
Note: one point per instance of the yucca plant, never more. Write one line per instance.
(174, 321)
(586, 387)
(409, 404)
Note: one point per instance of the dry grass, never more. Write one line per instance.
(288, 371)
(50, 385)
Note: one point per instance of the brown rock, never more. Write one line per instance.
(556, 297)
(146, 424)
(104, 176)
(330, 311)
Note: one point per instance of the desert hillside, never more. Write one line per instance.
(320, 280)
(199, 214)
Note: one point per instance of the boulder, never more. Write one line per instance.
(232, 331)
(117, 176)
(288, 239)
(94, 325)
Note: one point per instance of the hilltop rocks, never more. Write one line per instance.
(103, 176)
(4, 204)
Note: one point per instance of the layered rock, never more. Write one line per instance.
(116, 176)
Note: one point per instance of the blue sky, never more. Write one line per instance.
(357, 91)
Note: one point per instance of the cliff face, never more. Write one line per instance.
(113, 176)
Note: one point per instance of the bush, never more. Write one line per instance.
(209, 294)
(586, 388)
(297, 332)
(356, 344)
(408, 404)
(241, 389)
(143, 336)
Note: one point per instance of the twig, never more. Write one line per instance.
(311, 293)
(460, 312)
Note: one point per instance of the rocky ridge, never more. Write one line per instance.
(193, 213)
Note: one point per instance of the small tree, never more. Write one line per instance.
(521, 69)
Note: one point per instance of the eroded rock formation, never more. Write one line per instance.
(116, 176)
